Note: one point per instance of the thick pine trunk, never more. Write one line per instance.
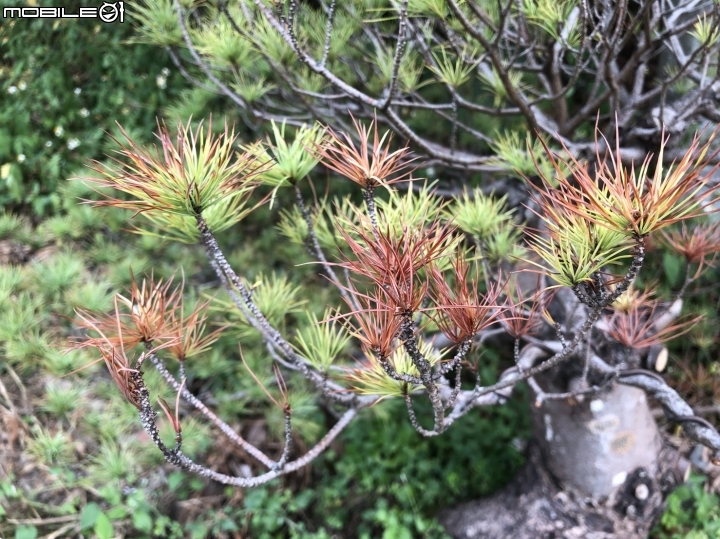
(596, 469)
(595, 444)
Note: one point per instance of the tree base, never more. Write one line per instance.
(534, 506)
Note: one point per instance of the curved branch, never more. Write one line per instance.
(676, 409)
(178, 458)
(214, 419)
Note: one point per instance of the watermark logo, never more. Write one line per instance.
(108, 12)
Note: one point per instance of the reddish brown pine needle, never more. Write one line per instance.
(376, 326)
(392, 262)
(368, 165)
(636, 329)
(515, 316)
(460, 309)
(630, 201)
(696, 245)
(152, 314)
(183, 177)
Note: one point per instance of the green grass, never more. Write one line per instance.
(51, 449)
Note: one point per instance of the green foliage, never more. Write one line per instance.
(691, 513)
(275, 296)
(251, 90)
(706, 32)
(20, 317)
(552, 16)
(92, 295)
(453, 73)
(479, 215)
(374, 380)
(437, 8)
(113, 462)
(93, 518)
(57, 362)
(190, 103)
(12, 279)
(58, 273)
(26, 532)
(157, 23)
(409, 71)
(292, 224)
(575, 247)
(10, 225)
(268, 40)
(223, 44)
(408, 210)
(290, 162)
(320, 342)
(61, 399)
(28, 349)
(177, 227)
(397, 480)
(521, 159)
(495, 86)
(55, 101)
(197, 173)
(51, 449)
(504, 243)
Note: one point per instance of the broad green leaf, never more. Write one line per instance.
(26, 532)
(103, 527)
(142, 521)
(89, 515)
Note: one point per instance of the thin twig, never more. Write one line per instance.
(214, 419)
(399, 49)
(328, 33)
(318, 252)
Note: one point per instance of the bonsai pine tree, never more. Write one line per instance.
(557, 135)
(424, 281)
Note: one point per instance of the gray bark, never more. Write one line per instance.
(596, 469)
(534, 506)
(595, 444)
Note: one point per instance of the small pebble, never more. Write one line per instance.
(642, 492)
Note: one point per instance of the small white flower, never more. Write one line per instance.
(73, 143)
(58, 131)
(21, 158)
(22, 86)
(77, 91)
(48, 144)
(161, 82)
(84, 112)
(12, 89)
(165, 71)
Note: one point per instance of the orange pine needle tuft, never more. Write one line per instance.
(368, 165)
